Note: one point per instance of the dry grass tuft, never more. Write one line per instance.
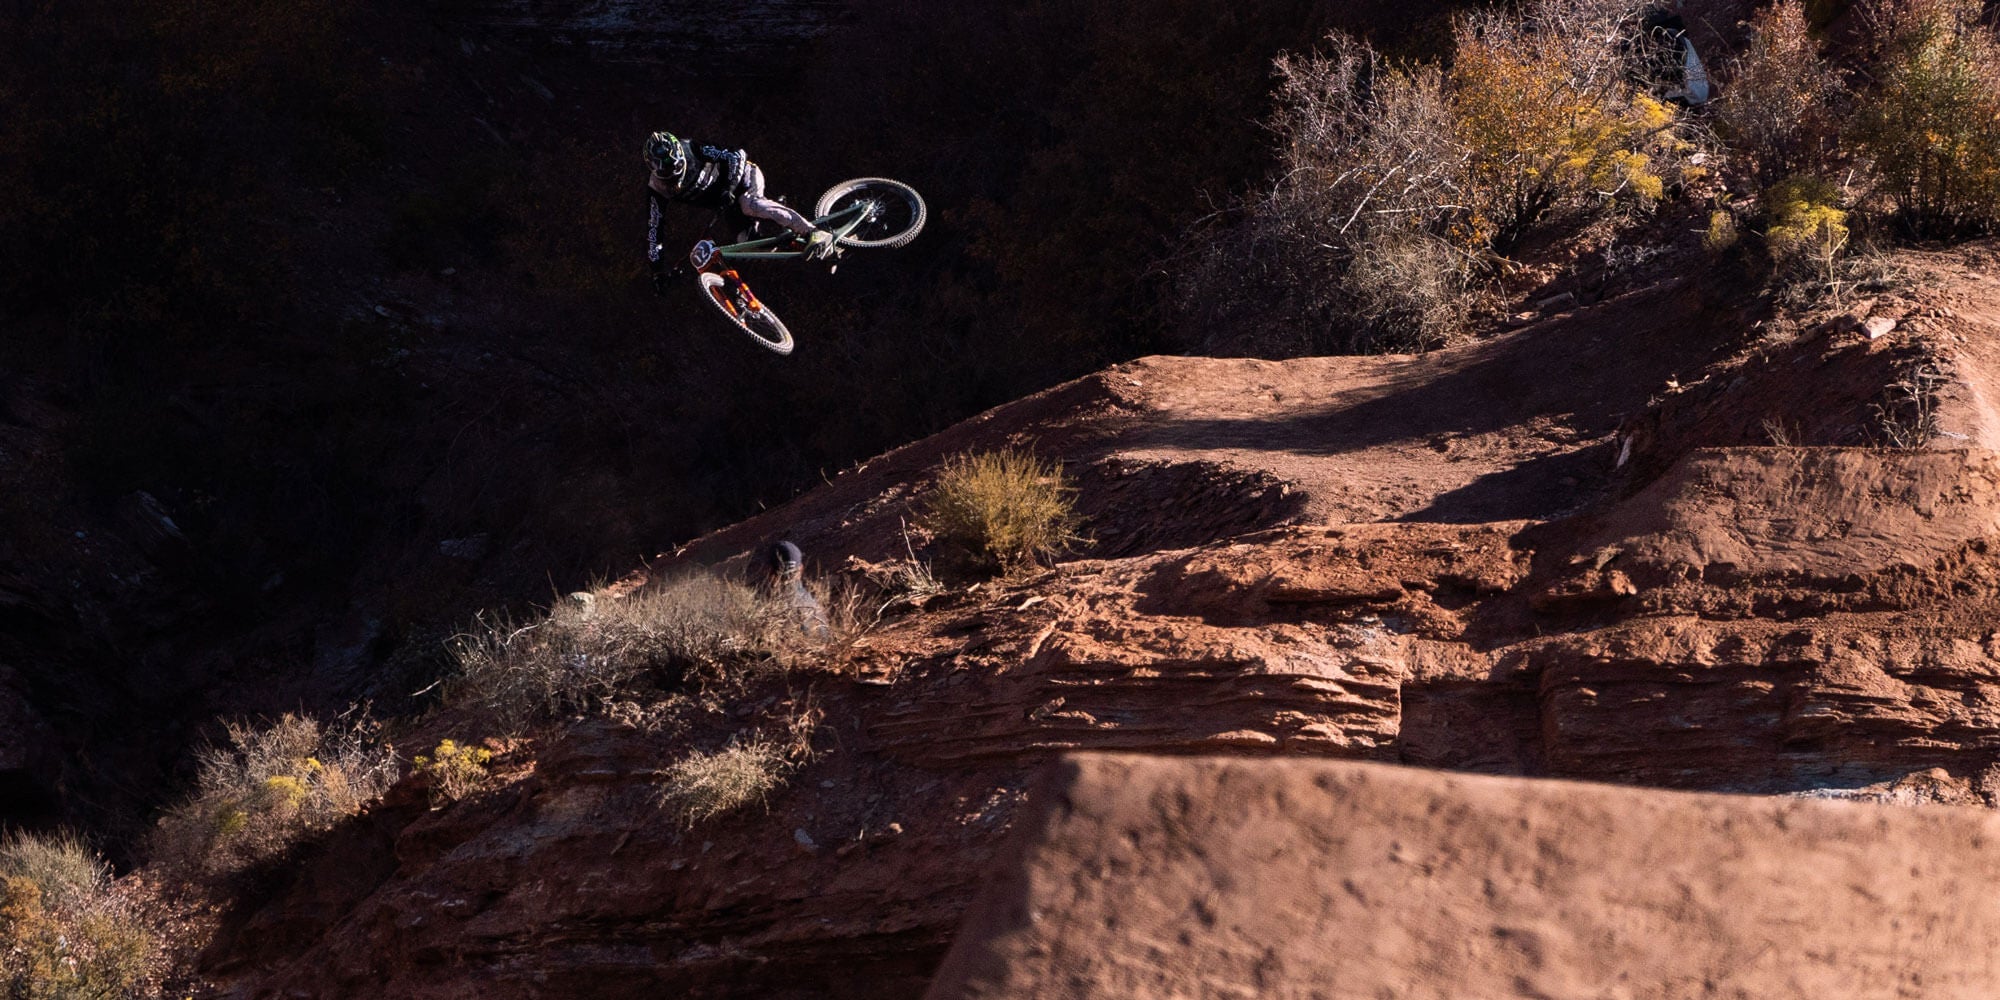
(695, 629)
(65, 869)
(1004, 509)
(1907, 416)
(702, 786)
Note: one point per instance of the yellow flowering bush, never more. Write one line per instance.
(454, 771)
(1807, 230)
(1542, 128)
(270, 787)
(1721, 233)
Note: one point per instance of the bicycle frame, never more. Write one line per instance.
(839, 224)
(856, 210)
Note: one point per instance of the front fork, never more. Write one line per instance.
(706, 260)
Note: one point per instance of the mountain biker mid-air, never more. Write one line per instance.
(696, 173)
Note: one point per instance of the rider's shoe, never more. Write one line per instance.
(819, 245)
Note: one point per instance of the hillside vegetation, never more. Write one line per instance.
(1420, 187)
(1410, 195)
(326, 327)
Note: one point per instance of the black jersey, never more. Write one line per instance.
(714, 176)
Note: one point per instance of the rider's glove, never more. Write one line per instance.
(819, 245)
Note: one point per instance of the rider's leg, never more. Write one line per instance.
(754, 204)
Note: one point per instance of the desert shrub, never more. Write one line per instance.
(1807, 230)
(1351, 235)
(454, 771)
(1401, 188)
(1414, 288)
(267, 789)
(1004, 509)
(704, 785)
(701, 786)
(66, 930)
(1931, 122)
(698, 628)
(1906, 417)
(1783, 107)
(1722, 232)
(1548, 117)
(62, 866)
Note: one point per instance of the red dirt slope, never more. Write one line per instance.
(1571, 550)
(1138, 878)
(1172, 452)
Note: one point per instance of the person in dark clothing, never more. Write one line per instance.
(788, 585)
(1677, 70)
(708, 176)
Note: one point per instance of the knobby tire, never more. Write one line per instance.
(896, 213)
(760, 323)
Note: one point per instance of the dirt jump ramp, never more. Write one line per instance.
(1143, 877)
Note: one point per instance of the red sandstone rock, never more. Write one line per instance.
(1136, 878)
(1433, 561)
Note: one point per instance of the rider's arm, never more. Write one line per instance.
(653, 231)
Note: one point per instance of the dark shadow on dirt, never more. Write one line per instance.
(1588, 370)
(1551, 486)
(1148, 507)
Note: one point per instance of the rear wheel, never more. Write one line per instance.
(892, 213)
(734, 301)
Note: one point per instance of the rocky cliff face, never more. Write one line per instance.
(1573, 550)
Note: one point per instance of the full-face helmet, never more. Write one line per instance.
(666, 157)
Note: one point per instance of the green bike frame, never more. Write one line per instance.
(839, 224)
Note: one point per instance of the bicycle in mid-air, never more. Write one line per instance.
(863, 213)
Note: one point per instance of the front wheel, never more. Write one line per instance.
(737, 305)
(892, 213)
